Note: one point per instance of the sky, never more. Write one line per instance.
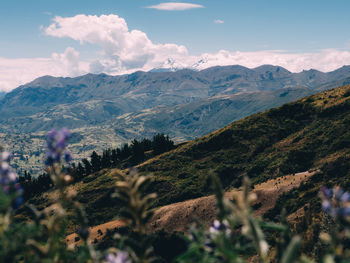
(76, 37)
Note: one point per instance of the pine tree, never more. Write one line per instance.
(161, 144)
(106, 161)
(95, 162)
(87, 166)
(138, 152)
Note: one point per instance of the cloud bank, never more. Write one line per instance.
(171, 6)
(124, 51)
(324, 60)
(16, 72)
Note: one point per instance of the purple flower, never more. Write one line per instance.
(335, 201)
(119, 257)
(5, 156)
(326, 205)
(56, 143)
(216, 229)
(345, 197)
(326, 192)
(9, 180)
(6, 174)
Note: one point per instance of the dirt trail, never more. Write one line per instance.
(179, 216)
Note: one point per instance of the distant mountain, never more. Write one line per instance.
(2, 93)
(170, 65)
(92, 99)
(105, 111)
(332, 84)
(197, 118)
(200, 64)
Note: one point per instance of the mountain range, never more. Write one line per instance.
(92, 99)
(104, 111)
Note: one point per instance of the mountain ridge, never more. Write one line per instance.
(142, 90)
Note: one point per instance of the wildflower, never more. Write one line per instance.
(335, 201)
(9, 180)
(216, 229)
(56, 143)
(6, 174)
(119, 257)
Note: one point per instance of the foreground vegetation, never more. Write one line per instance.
(236, 235)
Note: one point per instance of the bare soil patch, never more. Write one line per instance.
(179, 216)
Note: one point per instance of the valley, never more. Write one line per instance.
(104, 111)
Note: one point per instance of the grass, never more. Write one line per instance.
(310, 133)
(293, 138)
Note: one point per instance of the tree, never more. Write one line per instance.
(95, 162)
(114, 157)
(106, 160)
(125, 152)
(87, 166)
(147, 144)
(138, 152)
(161, 144)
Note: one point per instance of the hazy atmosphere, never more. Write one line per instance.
(71, 38)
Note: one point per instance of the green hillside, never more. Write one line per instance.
(295, 137)
(307, 134)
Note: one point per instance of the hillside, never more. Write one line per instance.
(197, 118)
(179, 216)
(311, 133)
(293, 138)
(106, 111)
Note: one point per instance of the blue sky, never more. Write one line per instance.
(295, 34)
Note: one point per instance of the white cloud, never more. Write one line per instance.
(324, 60)
(69, 61)
(171, 6)
(219, 21)
(16, 72)
(125, 51)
